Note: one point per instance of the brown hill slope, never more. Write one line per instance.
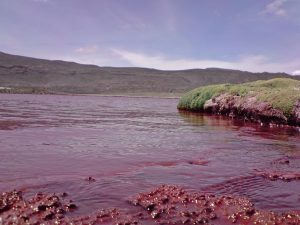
(26, 74)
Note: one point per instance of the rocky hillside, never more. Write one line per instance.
(27, 75)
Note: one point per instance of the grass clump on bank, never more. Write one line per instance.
(280, 93)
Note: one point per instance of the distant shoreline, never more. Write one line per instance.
(131, 95)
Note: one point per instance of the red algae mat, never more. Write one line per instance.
(163, 205)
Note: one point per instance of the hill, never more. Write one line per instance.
(27, 75)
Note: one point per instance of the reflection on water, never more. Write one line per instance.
(52, 143)
(276, 132)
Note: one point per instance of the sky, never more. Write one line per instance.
(251, 35)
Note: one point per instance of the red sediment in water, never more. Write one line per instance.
(173, 205)
(90, 179)
(164, 205)
(10, 125)
(276, 175)
(282, 174)
(283, 160)
(52, 209)
(198, 162)
(163, 163)
(42, 207)
(175, 163)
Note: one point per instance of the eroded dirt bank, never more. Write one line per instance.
(164, 205)
(252, 109)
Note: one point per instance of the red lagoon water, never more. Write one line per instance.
(130, 145)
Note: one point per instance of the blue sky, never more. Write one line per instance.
(253, 35)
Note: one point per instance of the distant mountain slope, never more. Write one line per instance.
(59, 76)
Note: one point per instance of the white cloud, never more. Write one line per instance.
(296, 72)
(276, 8)
(255, 63)
(87, 49)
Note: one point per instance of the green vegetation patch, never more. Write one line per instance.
(281, 93)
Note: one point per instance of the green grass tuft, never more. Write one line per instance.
(281, 93)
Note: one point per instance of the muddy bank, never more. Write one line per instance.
(251, 109)
(164, 205)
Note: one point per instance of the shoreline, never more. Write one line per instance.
(243, 118)
(128, 96)
(140, 95)
(240, 119)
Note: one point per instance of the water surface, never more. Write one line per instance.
(53, 143)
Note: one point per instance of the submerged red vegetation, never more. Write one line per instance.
(164, 205)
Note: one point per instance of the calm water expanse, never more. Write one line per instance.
(53, 143)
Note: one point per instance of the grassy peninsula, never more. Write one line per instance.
(276, 100)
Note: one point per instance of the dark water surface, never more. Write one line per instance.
(129, 145)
